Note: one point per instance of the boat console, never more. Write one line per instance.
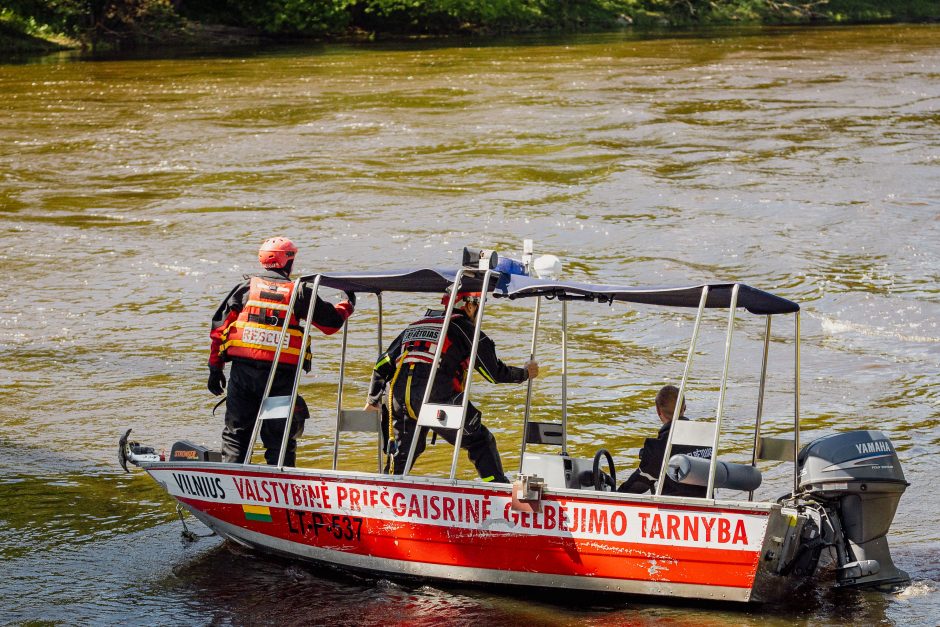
(559, 471)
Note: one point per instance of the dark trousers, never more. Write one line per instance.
(477, 439)
(243, 400)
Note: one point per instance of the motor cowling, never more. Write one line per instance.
(858, 478)
(851, 456)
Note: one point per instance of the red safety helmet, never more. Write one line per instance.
(463, 298)
(276, 253)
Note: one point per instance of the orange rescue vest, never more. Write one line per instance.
(257, 330)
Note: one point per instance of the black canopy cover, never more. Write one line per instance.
(431, 280)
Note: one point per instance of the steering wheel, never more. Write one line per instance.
(599, 476)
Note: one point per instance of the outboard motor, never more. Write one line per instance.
(856, 477)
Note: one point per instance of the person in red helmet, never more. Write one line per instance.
(406, 368)
(245, 331)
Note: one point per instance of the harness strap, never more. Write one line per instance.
(391, 428)
(408, 407)
(219, 404)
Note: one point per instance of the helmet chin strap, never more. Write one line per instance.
(286, 269)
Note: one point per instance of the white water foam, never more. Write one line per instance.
(833, 326)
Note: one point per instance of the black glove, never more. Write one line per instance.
(216, 380)
(351, 297)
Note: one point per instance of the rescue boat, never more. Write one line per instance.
(560, 525)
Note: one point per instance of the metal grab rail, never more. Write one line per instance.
(564, 377)
(721, 394)
(438, 351)
(293, 393)
(528, 392)
(339, 393)
(760, 399)
(680, 399)
(470, 369)
(796, 402)
(277, 355)
(353, 421)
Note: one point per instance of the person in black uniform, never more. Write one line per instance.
(406, 367)
(645, 477)
(245, 331)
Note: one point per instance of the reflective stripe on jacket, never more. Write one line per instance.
(419, 340)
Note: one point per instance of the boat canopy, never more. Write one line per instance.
(426, 280)
(437, 280)
(719, 294)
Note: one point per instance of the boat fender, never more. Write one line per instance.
(694, 471)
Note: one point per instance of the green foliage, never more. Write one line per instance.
(881, 10)
(294, 17)
(447, 16)
(57, 15)
(124, 23)
(97, 23)
(18, 34)
(438, 16)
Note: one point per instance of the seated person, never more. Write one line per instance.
(644, 478)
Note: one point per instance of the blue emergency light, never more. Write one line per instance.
(507, 265)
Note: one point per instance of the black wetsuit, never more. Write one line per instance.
(413, 352)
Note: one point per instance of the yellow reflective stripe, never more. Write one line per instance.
(284, 351)
(267, 327)
(382, 362)
(486, 375)
(411, 412)
(391, 391)
(263, 304)
(490, 478)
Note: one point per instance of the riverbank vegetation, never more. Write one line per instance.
(123, 24)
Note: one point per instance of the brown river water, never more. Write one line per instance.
(134, 194)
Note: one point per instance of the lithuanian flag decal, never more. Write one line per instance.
(261, 513)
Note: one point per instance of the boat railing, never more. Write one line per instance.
(442, 415)
(282, 407)
(706, 433)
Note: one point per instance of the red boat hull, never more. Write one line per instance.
(470, 532)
